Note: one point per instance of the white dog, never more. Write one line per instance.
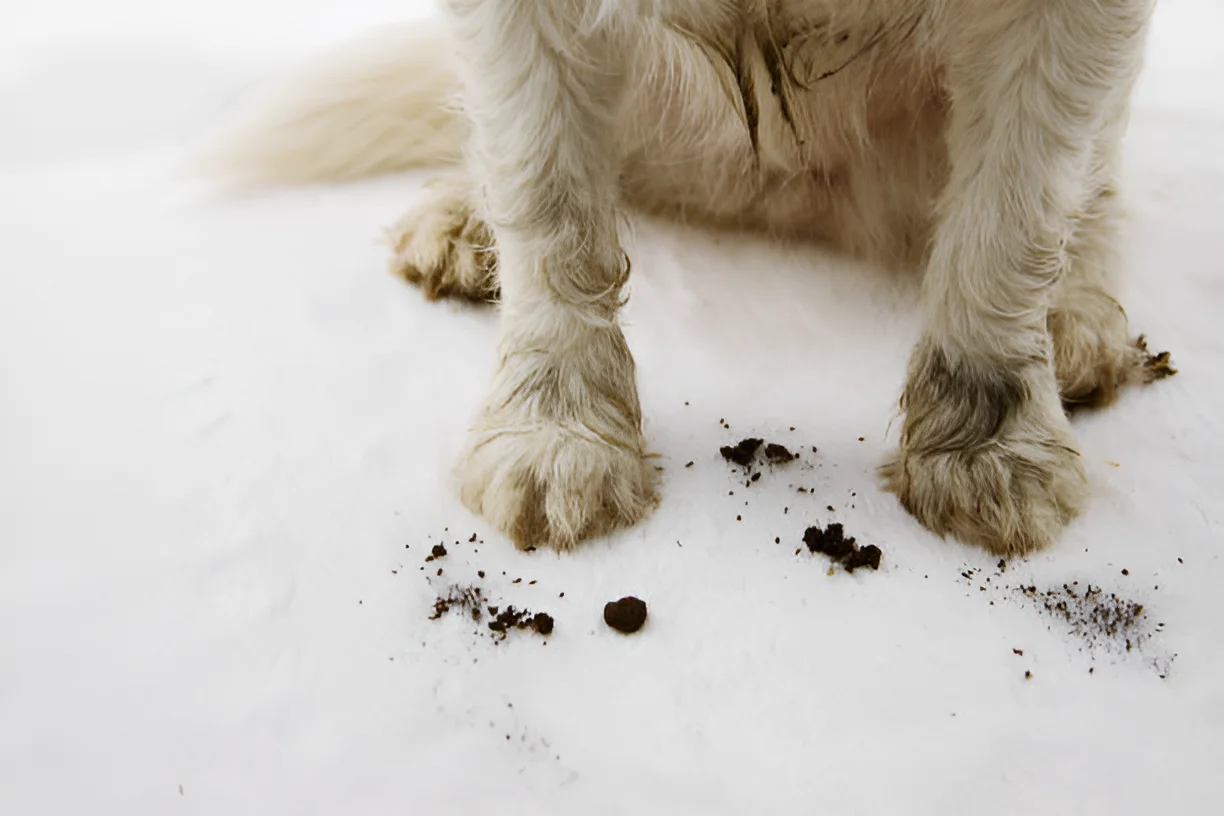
(976, 139)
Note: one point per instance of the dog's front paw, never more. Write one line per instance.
(552, 485)
(986, 454)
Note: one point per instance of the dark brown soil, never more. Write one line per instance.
(868, 556)
(626, 615)
(778, 454)
(469, 598)
(832, 541)
(742, 452)
(438, 551)
(510, 618)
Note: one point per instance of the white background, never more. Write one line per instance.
(225, 446)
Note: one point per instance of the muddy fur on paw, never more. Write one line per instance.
(1156, 366)
(986, 455)
(444, 247)
(1095, 356)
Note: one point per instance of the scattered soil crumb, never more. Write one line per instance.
(469, 598)
(1092, 614)
(742, 452)
(627, 615)
(438, 551)
(778, 454)
(833, 542)
(868, 556)
(511, 618)
(1104, 622)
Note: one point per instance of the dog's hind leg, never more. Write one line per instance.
(1095, 354)
(443, 246)
(557, 452)
(987, 453)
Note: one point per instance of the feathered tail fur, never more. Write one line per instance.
(386, 102)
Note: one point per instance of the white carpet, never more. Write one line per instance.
(225, 443)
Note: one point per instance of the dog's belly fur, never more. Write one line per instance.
(848, 127)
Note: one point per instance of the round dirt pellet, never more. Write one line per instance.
(626, 615)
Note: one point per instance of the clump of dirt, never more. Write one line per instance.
(438, 551)
(778, 454)
(868, 556)
(741, 453)
(627, 615)
(510, 618)
(744, 453)
(832, 541)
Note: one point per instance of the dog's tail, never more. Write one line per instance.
(385, 103)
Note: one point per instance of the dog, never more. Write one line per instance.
(977, 141)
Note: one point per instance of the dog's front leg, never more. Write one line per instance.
(987, 454)
(557, 453)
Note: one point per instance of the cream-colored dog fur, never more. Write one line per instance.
(975, 139)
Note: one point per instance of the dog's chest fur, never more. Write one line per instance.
(788, 112)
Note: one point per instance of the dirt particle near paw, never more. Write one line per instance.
(742, 452)
(460, 597)
(511, 618)
(779, 454)
(833, 542)
(438, 551)
(543, 623)
(627, 615)
(868, 556)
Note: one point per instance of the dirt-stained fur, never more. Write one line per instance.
(977, 140)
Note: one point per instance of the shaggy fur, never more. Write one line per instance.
(977, 140)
